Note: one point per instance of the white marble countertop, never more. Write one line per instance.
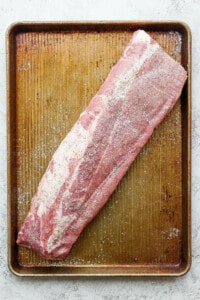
(186, 287)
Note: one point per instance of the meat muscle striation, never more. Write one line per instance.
(138, 93)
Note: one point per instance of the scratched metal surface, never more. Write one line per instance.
(141, 229)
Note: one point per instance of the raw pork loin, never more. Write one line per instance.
(138, 93)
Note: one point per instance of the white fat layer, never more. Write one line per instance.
(72, 147)
(141, 36)
(123, 85)
(56, 238)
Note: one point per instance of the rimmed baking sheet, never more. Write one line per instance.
(53, 71)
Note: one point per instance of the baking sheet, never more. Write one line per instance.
(53, 71)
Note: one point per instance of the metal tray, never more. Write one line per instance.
(53, 70)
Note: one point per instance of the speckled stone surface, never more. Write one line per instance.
(186, 287)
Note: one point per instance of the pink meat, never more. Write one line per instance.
(138, 93)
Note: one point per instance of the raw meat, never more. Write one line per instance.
(84, 171)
